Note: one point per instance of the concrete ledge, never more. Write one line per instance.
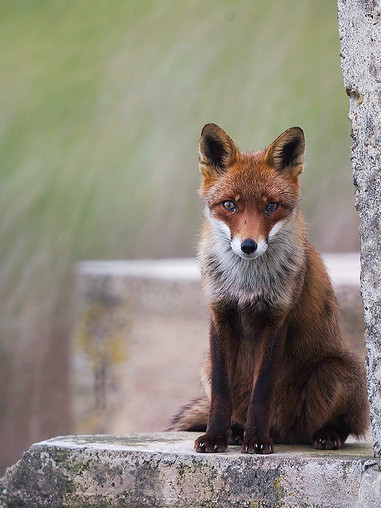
(162, 470)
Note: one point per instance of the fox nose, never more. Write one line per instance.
(248, 246)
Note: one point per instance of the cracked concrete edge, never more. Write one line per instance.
(162, 470)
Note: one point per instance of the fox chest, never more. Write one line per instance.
(258, 286)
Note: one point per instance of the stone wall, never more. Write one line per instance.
(360, 38)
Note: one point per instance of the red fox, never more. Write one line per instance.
(278, 370)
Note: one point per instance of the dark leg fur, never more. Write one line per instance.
(259, 414)
(223, 352)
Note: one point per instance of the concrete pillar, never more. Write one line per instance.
(360, 38)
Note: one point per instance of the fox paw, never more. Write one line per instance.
(236, 434)
(209, 443)
(326, 439)
(257, 444)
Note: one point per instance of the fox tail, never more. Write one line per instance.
(192, 416)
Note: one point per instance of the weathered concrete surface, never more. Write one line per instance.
(360, 38)
(162, 470)
(141, 335)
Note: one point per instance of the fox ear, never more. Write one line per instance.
(286, 153)
(217, 151)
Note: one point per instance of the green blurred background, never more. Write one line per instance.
(101, 105)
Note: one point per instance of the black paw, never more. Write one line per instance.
(258, 444)
(236, 434)
(326, 439)
(209, 443)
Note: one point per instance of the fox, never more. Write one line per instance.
(278, 370)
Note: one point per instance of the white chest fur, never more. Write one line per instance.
(269, 278)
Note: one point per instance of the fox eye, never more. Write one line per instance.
(271, 207)
(230, 206)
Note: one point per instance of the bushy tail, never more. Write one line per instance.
(192, 417)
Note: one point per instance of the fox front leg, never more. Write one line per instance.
(222, 357)
(257, 438)
(257, 434)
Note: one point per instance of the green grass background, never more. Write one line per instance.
(101, 106)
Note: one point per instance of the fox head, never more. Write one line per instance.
(250, 197)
